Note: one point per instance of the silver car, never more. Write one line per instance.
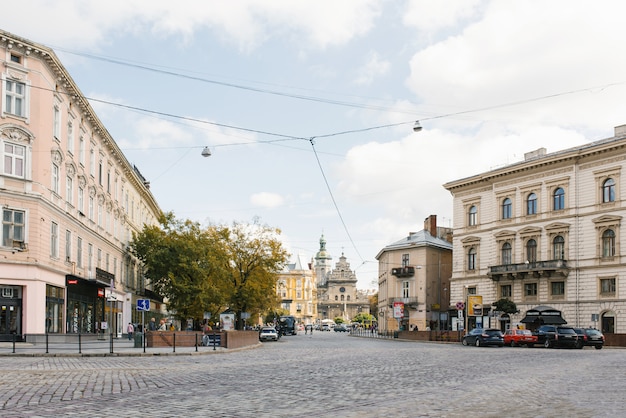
(268, 334)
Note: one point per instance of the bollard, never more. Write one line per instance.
(79, 343)
(111, 342)
(46, 343)
(14, 338)
(213, 340)
(143, 337)
(196, 334)
(174, 342)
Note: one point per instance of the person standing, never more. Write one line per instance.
(130, 329)
(152, 326)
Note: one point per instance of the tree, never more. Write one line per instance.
(211, 269)
(505, 305)
(253, 257)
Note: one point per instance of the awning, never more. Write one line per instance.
(543, 315)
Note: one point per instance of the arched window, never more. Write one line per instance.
(558, 246)
(608, 190)
(348, 298)
(471, 259)
(608, 243)
(531, 251)
(559, 199)
(336, 297)
(507, 208)
(342, 297)
(506, 253)
(531, 204)
(472, 216)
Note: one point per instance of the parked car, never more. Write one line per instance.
(325, 327)
(341, 328)
(582, 337)
(513, 337)
(484, 336)
(268, 334)
(594, 338)
(551, 336)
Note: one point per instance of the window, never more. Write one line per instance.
(531, 251)
(471, 259)
(90, 259)
(70, 137)
(405, 260)
(81, 150)
(608, 190)
(471, 290)
(91, 204)
(505, 291)
(69, 192)
(507, 209)
(559, 199)
(607, 286)
(506, 253)
(81, 199)
(16, 59)
(55, 178)
(557, 288)
(56, 122)
(54, 240)
(558, 248)
(473, 216)
(12, 226)
(92, 163)
(15, 98)
(68, 245)
(79, 252)
(14, 159)
(405, 289)
(531, 204)
(530, 290)
(608, 243)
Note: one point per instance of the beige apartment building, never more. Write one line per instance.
(545, 233)
(70, 201)
(414, 280)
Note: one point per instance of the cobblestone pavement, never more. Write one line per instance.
(324, 375)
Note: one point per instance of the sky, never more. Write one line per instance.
(308, 106)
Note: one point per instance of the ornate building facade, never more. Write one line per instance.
(297, 291)
(70, 202)
(545, 233)
(337, 293)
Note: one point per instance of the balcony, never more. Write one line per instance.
(403, 271)
(536, 270)
(408, 302)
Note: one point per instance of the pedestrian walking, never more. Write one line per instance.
(130, 329)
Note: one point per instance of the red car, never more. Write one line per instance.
(515, 337)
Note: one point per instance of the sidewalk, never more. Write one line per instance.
(100, 348)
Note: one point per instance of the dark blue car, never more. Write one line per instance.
(483, 337)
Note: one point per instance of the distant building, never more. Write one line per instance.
(337, 293)
(545, 233)
(414, 280)
(297, 291)
(70, 203)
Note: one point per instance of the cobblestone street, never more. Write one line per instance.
(325, 375)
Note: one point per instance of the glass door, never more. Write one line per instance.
(10, 321)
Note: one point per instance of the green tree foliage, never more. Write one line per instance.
(212, 269)
(363, 319)
(505, 305)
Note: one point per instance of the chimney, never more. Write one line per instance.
(430, 225)
(620, 130)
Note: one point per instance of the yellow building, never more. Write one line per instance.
(296, 290)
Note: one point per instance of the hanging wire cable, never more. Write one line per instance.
(343, 222)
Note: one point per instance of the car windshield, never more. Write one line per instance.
(525, 332)
(268, 330)
(567, 331)
(593, 332)
(493, 332)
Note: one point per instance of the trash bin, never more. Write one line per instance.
(138, 339)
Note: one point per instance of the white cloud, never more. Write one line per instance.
(374, 67)
(246, 23)
(267, 200)
(431, 16)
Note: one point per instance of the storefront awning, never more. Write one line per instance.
(543, 315)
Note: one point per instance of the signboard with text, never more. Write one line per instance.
(474, 305)
(398, 310)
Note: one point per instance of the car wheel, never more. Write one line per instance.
(464, 341)
(478, 342)
(530, 345)
(580, 345)
(598, 347)
(513, 344)
(547, 344)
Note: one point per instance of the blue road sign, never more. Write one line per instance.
(143, 304)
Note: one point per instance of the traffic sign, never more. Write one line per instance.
(460, 306)
(143, 304)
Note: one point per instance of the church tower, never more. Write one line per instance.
(323, 264)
